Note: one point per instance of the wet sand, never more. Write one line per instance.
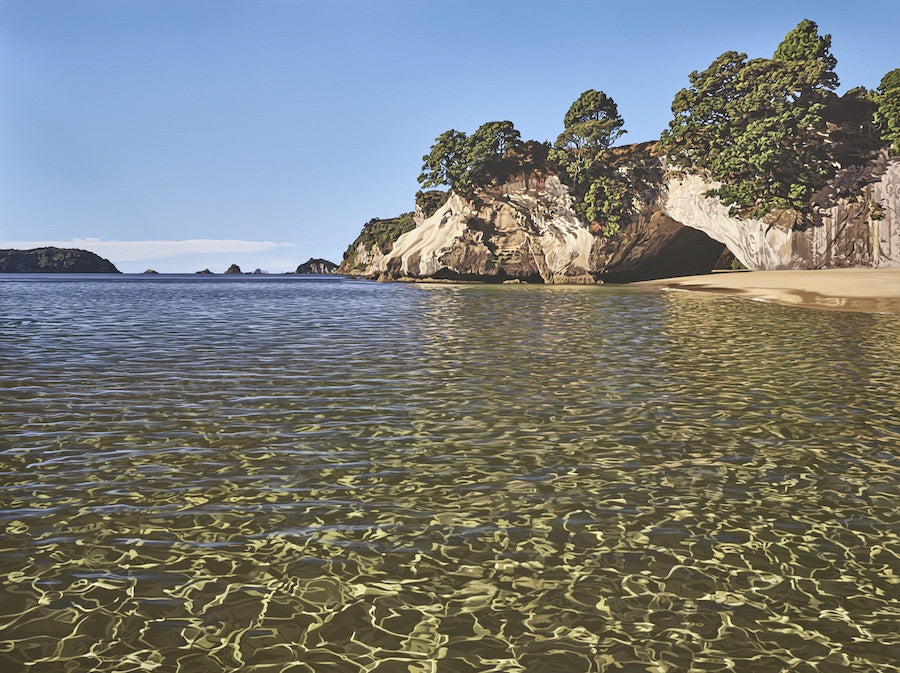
(866, 290)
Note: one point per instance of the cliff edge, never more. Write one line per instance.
(855, 222)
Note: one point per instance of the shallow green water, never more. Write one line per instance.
(270, 475)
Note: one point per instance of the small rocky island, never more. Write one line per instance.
(316, 266)
(54, 260)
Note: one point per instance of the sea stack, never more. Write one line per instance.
(316, 266)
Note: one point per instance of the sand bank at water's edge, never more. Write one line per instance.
(867, 290)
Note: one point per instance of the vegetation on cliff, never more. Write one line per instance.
(54, 260)
(601, 190)
(429, 201)
(887, 114)
(490, 156)
(769, 129)
(378, 234)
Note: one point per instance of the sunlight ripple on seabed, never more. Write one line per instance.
(287, 476)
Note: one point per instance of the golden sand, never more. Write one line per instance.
(867, 290)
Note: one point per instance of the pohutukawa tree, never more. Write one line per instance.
(602, 193)
(447, 163)
(887, 113)
(591, 126)
(758, 125)
(491, 155)
(488, 152)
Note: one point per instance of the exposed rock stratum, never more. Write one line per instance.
(529, 231)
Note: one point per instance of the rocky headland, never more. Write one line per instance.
(763, 166)
(530, 231)
(54, 260)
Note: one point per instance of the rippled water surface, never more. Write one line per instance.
(290, 474)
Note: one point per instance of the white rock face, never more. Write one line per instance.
(368, 261)
(431, 239)
(846, 237)
(522, 233)
(756, 244)
(886, 232)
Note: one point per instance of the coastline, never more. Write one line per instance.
(860, 290)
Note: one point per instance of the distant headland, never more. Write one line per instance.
(54, 260)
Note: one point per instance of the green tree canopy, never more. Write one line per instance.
(808, 55)
(887, 113)
(602, 193)
(758, 125)
(429, 201)
(591, 125)
(488, 152)
(463, 162)
(447, 162)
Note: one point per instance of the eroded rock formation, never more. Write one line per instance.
(857, 221)
(654, 246)
(513, 233)
(531, 233)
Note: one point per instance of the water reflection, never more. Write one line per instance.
(361, 477)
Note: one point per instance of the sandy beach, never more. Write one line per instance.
(866, 290)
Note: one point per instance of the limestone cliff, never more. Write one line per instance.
(516, 232)
(654, 246)
(531, 232)
(856, 222)
(54, 260)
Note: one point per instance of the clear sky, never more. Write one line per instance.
(183, 134)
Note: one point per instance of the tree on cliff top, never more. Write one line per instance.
(758, 125)
(488, 153)
(447, 162)
(429, 201)
(591, 125)
(602, 193)
(463, 162)
(887, 114)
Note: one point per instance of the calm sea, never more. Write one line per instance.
(292, 474)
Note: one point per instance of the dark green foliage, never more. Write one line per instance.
(608, 202)
(381, 233)
(602, 190)
(448, 162)
(54, 260)
(592, 124)
(431, 200)
(758, 125)
(487, 153)
(851, 129)
(491, 155)
(887, 114)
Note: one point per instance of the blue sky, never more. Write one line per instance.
(187, 134)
